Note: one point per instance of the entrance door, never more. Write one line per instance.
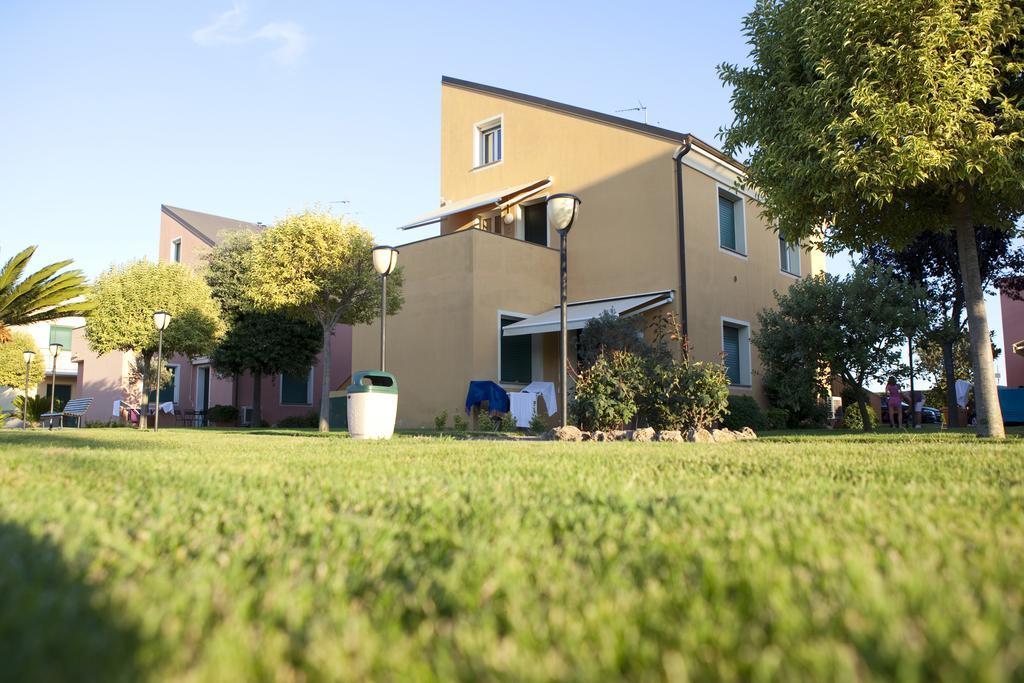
(203, 389)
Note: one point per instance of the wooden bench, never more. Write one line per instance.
(75, 408)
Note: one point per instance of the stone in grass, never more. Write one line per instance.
(746, 434)
(670, 435)
(618, 435)
(644, 434)
(699, 435)
(569, 433)
(722, 435)
(599, 436)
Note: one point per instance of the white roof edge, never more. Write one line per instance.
(478, 201)
(541, 323)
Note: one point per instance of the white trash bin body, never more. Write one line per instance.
(372, 405)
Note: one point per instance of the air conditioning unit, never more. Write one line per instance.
(246, 415)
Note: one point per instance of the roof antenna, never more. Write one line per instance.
(640, 107)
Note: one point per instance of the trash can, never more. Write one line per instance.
(372, 405)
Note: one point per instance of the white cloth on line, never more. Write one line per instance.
(523, 406)
(117, 408)
(962, 387)
(547, 391)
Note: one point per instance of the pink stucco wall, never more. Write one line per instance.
(1013, 331)
(102, 378)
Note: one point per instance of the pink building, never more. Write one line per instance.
(185, 236)
(1013, 339)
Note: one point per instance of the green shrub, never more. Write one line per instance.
(606, 392)
(310, 419)
(684, 395)
(459, 423)
(744, 411)
(441, 421)
(222, 414)
(852, 419)
(37, 405)
(777, 418)
(538, 425)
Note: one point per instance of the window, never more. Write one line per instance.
(488, 142)
(297, 390)
(515, 355)
(736, 351)
(61, 335)
(535, 223)
(789, 257)
(176, 250)
(169, 389)
(731, 235)
(62, 396)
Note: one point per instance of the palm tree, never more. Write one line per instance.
(46, 294)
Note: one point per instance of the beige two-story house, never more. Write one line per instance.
(663, 226)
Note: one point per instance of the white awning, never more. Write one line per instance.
(492, 200)
(579, 313)
(1018, 348)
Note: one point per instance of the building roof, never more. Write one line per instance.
(207, 226)
(618, 121)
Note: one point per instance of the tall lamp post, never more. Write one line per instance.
(562, 210)
(55, 349)
(28, 355)
(161, 319)
(385, 260)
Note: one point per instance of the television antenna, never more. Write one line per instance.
(641, 107)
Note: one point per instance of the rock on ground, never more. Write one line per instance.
(722, 435)
(699, 435)
(670, 435)
(645, 434)
(569, 433)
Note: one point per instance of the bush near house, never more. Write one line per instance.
(310, 419)
(852, 418)
(37, 406)
(222, 414)
(744, 412)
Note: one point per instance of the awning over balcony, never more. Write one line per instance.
(580, 312)
(1018, 348)
(490, 200)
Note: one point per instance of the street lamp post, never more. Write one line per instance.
(55, 349)
(161, 319)
(28, 355)
(562, 210)
(385, 260)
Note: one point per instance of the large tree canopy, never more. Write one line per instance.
(47, 294)
(125, 298)
(319, 267)
(12, 364)
(883, 120)
(261, 343)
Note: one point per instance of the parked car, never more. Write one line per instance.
(929, 415)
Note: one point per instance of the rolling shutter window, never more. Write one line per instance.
(295, 389)
(167, 389)
(727, 222)
(61, 335)
(731, 347)
(516, 357)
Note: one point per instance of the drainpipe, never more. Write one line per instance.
(677, 159)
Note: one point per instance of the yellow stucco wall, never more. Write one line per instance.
(624, 241)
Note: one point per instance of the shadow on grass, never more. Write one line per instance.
(78, 439)
(54, 626)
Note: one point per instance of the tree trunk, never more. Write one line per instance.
(950, 372)
(144, 399)
(257, 399)
(325, 391)
(986, 399)
(234, 397)
(863, 407)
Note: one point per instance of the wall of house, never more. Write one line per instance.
(447, 332)
(192, 246)
(102, 378)
(1013, 331)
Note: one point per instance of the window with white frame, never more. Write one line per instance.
(789, 257)
(176, 250)
(736, 351)
(489, 142)
(731, 232)
(297, 390)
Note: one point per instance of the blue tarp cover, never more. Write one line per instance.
(486, 390)
(1011, 402)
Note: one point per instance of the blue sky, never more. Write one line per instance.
(254, 109)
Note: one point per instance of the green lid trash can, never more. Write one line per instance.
(372, 405)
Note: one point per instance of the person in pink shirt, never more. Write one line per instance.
(895, 396)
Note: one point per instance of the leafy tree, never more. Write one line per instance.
(12, 364)
(125, 298)
(319, 267)
(852, 327)
(931, 356)
(47, 294)
(886, 120)
(610, 332)
(931, 261)
(261, 343)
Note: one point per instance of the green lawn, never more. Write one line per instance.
(223, 556)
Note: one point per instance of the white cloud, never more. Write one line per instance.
(229, 28)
